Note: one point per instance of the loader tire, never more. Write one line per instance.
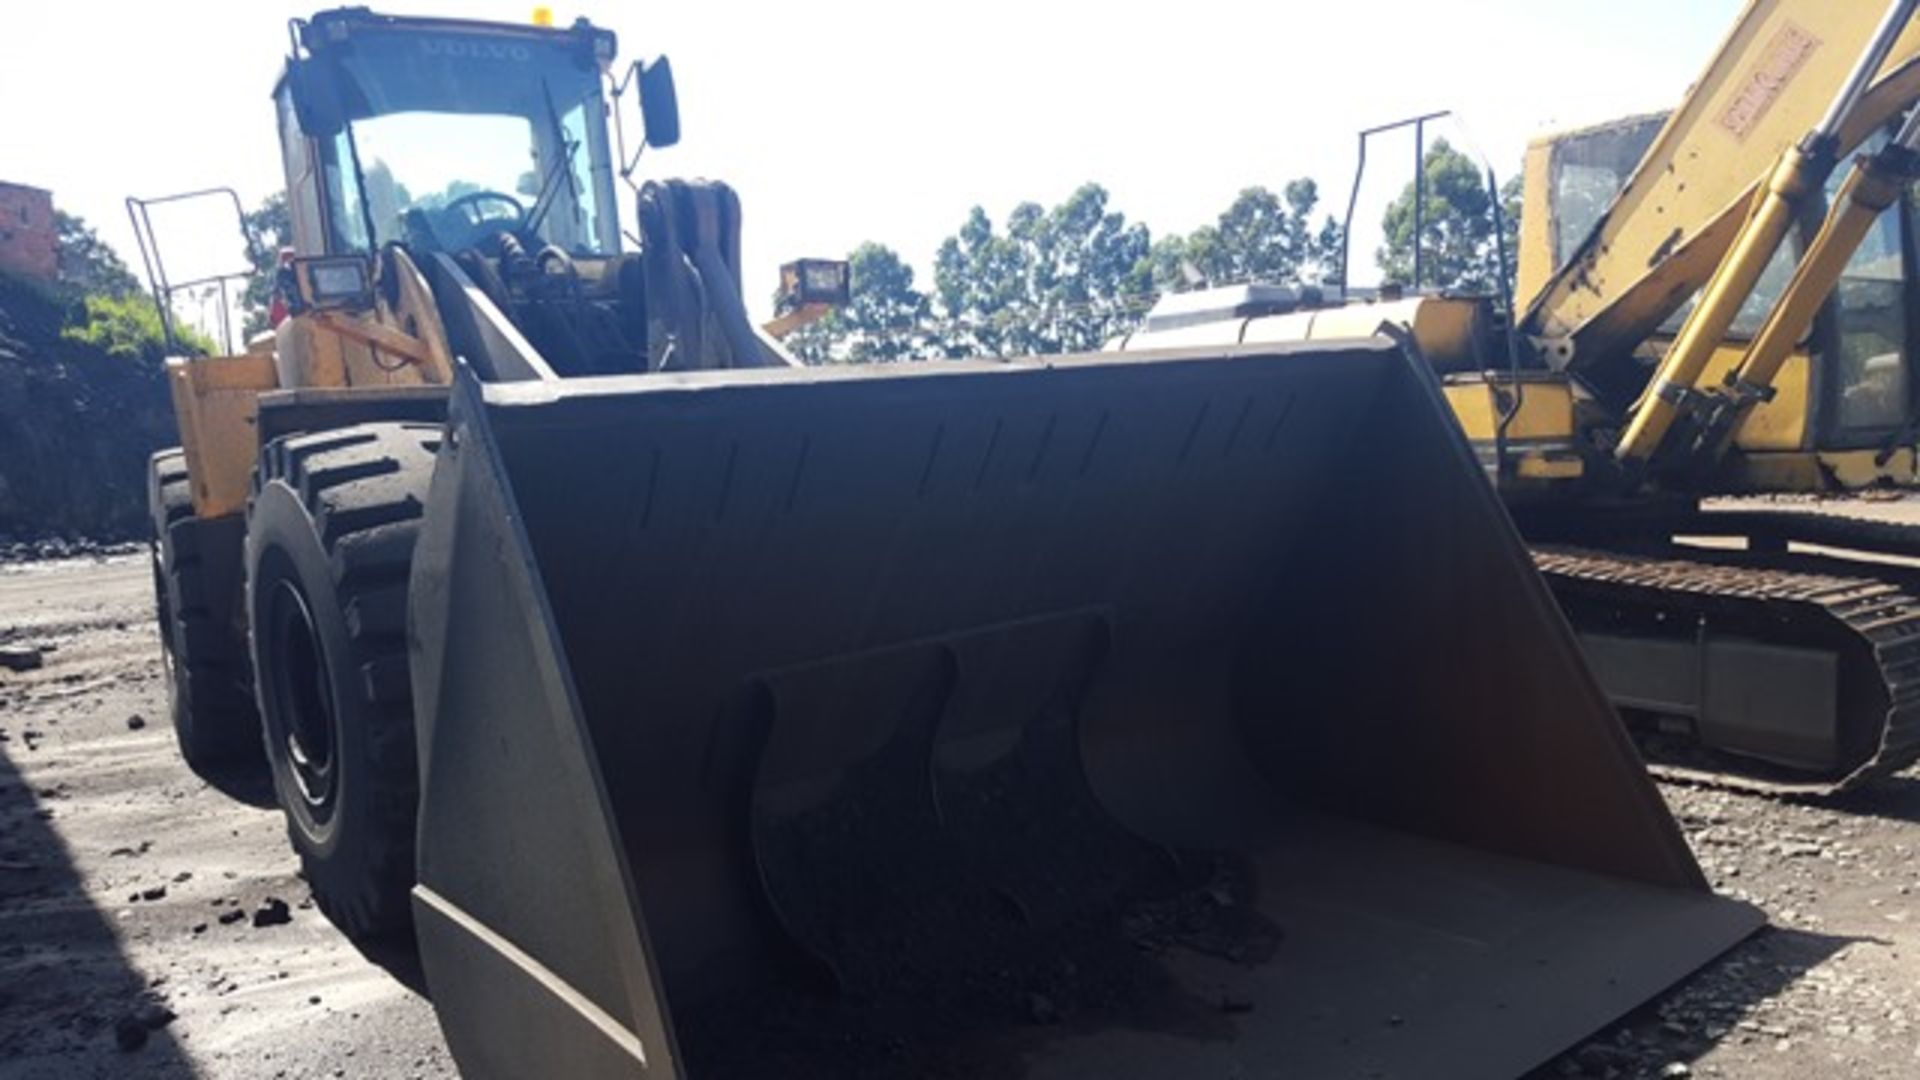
(330, 535)
(196, 571)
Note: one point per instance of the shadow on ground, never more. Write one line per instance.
(1689, 1020)
(399, 958)
(251, 783)
(1894, 798)
(248, 783)
(65, 986)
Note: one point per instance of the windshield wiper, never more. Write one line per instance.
(562, 167)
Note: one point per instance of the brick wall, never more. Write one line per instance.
(27, 232)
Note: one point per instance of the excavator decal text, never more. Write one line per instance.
(1777, 67)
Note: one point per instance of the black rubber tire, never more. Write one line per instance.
(195, 584)
(330, 535)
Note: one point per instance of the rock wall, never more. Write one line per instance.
(76, 427)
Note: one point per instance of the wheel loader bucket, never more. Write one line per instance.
(1131, 715)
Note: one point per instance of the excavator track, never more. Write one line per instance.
(1871, 623)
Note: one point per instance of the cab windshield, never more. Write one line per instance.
(452, 139)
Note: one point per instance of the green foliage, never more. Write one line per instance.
(886, 318)
(272, 229)
(98, 306)
(1260, 237)
(1063, 279)
(127, 327)
(1059, 280)
(86, 262)
(1458, 249)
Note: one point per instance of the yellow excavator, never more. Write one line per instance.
(701, 714)
(1710, 303)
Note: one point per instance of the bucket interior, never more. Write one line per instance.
(1126, 716)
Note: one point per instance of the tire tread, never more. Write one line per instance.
(363, 487)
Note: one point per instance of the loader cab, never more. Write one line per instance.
(1847, 392)
(482, 152)
(446, 135)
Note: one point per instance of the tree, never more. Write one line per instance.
(885, 318)
(126, 326)
(1260, 237)
(271, 229)
(1059, 280)
(977, 276)
(86, 261)
(1458, 249)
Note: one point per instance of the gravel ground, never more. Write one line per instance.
(1832, 986)
(152, 925)
(137, 902)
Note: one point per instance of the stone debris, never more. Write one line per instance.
(272, 912)
(21, 657)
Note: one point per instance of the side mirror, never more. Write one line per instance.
(659, 106)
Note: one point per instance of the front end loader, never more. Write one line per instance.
(702, 714)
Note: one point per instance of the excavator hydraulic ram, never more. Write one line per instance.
(1129, 715)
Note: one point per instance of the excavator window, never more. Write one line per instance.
(1589, 169)
(1871, 395)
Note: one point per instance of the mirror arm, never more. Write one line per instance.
(627, 164)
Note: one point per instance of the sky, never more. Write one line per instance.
(842, 121)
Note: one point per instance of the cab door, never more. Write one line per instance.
(1867, 396)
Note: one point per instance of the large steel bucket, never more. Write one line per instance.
(1131, 715)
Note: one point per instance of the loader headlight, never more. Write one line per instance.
(334, 281)
(814, 281)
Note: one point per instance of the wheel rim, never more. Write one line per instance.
(302, 718)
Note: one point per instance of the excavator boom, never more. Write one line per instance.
(1678, 213)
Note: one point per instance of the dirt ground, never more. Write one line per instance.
(131, 891)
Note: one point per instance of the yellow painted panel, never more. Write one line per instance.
(1443, 326)
(217, 403)
(1546, 411)
(1538, 466)
(312, 356)
(1845, 470)
(1780, 424)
